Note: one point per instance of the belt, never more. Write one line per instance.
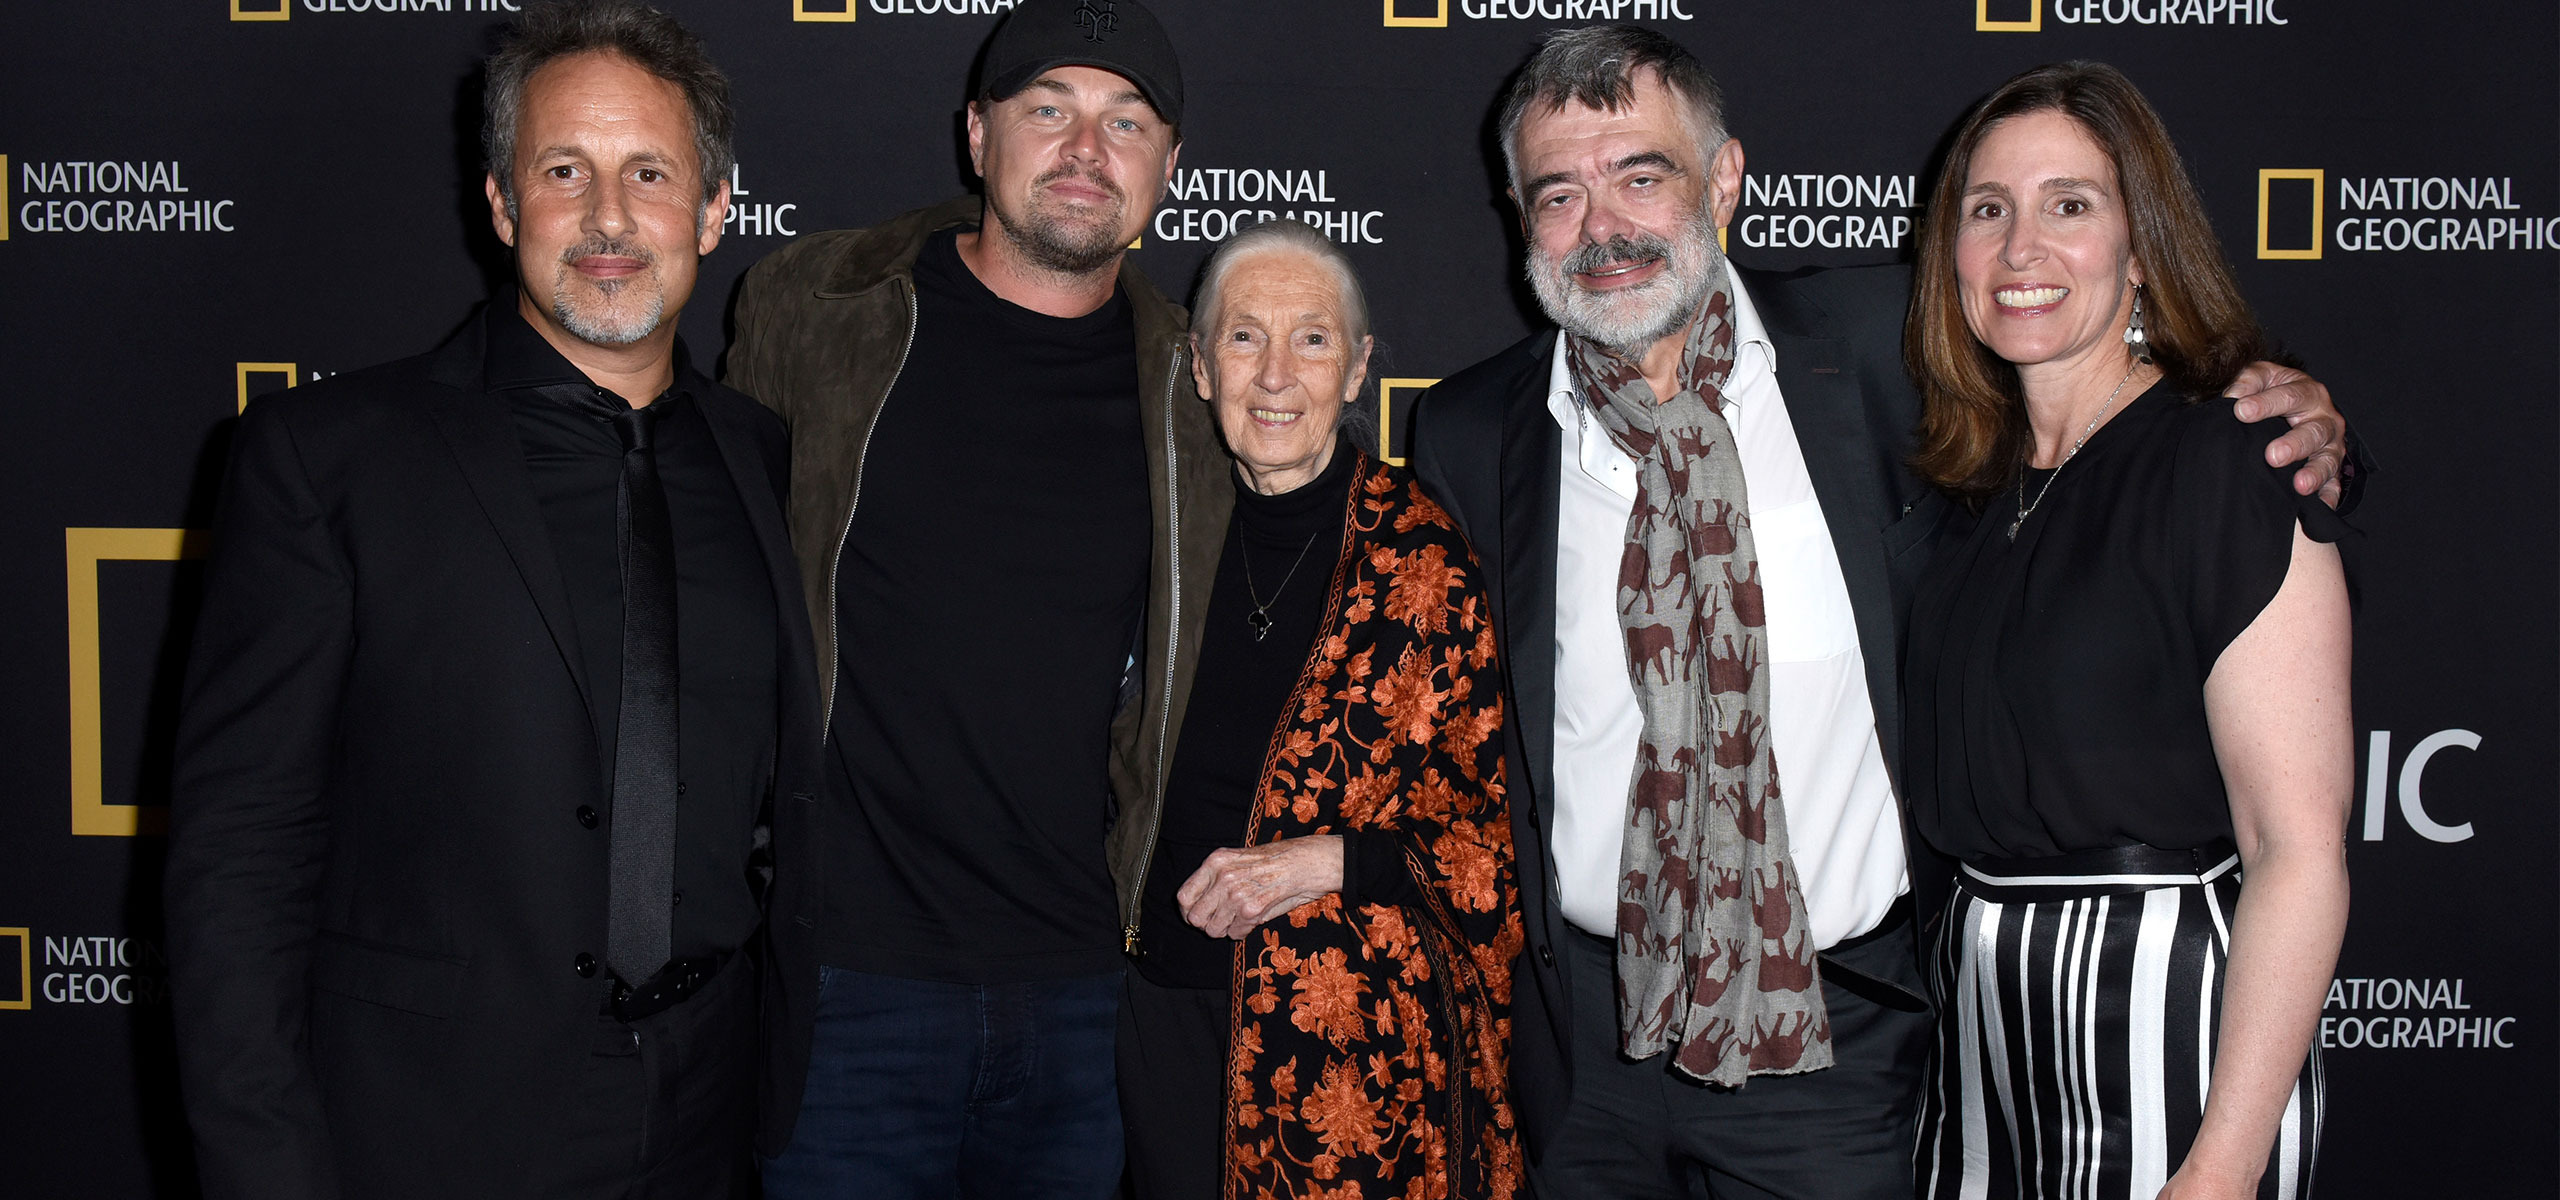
(674, 982)
(1874, 989)
(1897, 915)
(2111, 871)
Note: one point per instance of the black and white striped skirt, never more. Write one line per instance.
(2078, 1003)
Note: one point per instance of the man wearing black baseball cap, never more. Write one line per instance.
(1122, 38)
(993, 460)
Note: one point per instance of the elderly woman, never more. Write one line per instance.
(2127, 682)
(1321, 998)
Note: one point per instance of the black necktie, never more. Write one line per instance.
(643, 864)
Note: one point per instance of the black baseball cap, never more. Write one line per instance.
(1119, 36)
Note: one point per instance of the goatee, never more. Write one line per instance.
(595, 320)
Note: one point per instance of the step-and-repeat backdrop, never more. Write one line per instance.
(201, 200)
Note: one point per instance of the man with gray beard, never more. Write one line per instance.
(995, 454)
(1720, 994)
(501, 663)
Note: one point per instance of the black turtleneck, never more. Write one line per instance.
(1239, 695)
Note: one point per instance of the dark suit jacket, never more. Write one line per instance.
(377, 885)
(1486, 447)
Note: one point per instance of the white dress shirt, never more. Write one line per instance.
(1843, 828)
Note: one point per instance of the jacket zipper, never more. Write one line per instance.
(835, 565)
(1172, 651)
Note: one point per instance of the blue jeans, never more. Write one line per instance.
(933, 1091)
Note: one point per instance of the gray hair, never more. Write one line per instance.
(650, 39)
(1597, 66)
(1284, 233)
(1289, 234)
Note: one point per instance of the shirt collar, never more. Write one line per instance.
(517, 356)
(1754, 355)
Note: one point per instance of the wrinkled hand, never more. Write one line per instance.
(1237, 889)
(2318, 439)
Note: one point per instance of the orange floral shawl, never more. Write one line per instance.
(1369, 1052)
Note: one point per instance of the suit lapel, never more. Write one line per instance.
(485, 447)
(1818, 378)
(1531, 454)
(748, 474)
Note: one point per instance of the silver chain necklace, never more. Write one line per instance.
(2023, 506)
(1260, 617)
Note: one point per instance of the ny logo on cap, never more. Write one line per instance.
(1097, 19)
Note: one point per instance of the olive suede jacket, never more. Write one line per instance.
(823, 328)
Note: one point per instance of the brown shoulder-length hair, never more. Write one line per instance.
(1973, 425)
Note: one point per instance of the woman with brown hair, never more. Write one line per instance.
(2128, 681)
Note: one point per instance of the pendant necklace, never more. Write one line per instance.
(1260, 617)
(2024, 507)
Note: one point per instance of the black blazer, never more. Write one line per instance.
(377, 885)
(1486, 447)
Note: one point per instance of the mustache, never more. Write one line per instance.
(1618, 251)
(609, 247)
(1071, 171)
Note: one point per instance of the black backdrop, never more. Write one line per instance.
(210, 198)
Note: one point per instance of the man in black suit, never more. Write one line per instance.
(501, 688)
(1622, 171)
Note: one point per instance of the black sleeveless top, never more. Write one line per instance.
(2055, 684)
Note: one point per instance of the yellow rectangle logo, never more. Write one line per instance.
(800, 12)
(1387, 389)
(2319, 184)
(283, 11)
(1439, 20)
(82, 551)
(4, 197)
(242, 371)
(26, 968)
(1982, 22)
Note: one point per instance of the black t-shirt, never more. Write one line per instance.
(2056, 683)
(726, 657)
(987, 603)
(1239, 696)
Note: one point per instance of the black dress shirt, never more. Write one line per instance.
(725, 632)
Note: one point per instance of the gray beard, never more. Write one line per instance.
(606, 328)
(1629, 322)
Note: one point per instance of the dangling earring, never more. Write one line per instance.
(2133, 335)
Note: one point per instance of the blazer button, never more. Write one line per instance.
(584, 965)
(1547, 955)
(587, 815)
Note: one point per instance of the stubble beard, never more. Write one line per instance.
(1060, 243)
(1629, 321)
(612, 312)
